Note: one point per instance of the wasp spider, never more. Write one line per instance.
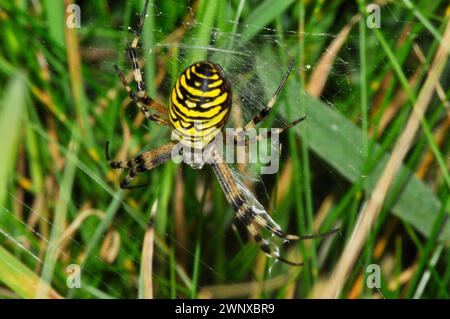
(200, 103)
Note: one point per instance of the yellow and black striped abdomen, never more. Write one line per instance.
(200, 102)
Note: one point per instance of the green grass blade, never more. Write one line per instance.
(11, 116)
(265, 13)
(55, 17)
(18, 277)
(426, 23)
(404, 81)
(203, 35)
(59, 222)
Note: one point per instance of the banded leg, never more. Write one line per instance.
(263, 219)
(132, 52)
(235, 196)
(125, 183)
(142, 103)
(244, 212)
(266, 110)
(240, 136)
(141, 163)
(265, 246)
(253, 217)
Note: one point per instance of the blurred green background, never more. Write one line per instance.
(60, 203)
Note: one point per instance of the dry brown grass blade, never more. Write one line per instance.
(380, 248)
(394, 107)
(404, 277)
(147, 257)
(372, 208)
(439, 90)
(322, 212)
(69, 232)
(74, 65)
(386, 82)
(284, 182)
(110, 246)
(442, 131)
(440, 136)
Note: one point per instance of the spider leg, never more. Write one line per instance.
(251, 216)
(141, 163)
(265, 246)
(142, 102)
(244, 212)
(116, 164)
(264, 220)
(132, 52)
(125, 183)
(238, 138)
(266, 110)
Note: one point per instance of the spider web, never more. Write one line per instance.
(250, 95)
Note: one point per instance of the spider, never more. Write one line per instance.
(200, 103)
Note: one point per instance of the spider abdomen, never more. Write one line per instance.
(200, 102)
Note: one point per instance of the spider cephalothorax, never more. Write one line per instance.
(199, 107)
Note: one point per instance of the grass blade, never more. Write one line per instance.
(59, 222)
(12, 109)
(261, 16)
(20, 278)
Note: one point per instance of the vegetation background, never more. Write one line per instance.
(372, 157)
